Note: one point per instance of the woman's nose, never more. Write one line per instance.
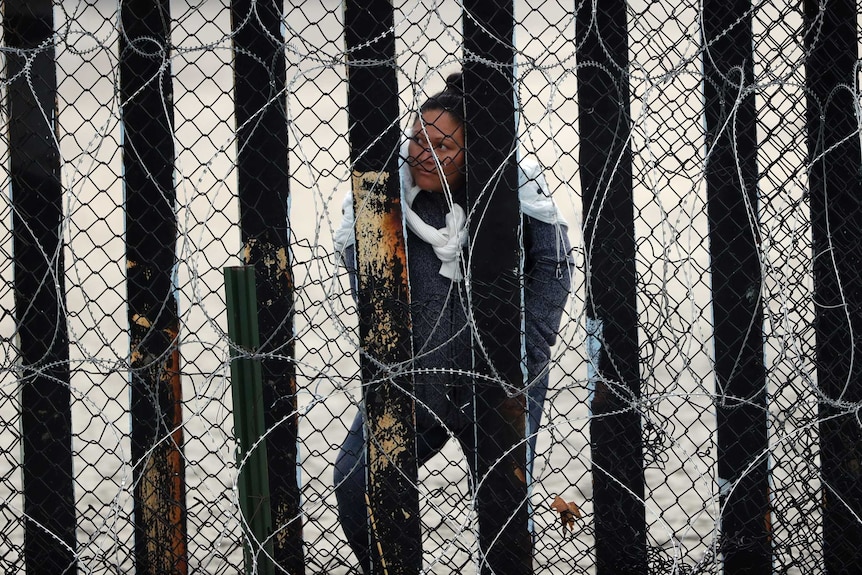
(426, 157)
(425, 153)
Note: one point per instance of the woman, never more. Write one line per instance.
(432, 180)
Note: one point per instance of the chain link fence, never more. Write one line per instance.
(701, 412)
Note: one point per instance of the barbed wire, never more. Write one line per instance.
(684, 497)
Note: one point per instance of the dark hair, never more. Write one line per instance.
(451, 99)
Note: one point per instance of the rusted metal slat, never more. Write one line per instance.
(146, 99)
(384, 320)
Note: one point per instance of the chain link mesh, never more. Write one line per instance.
(679, 393)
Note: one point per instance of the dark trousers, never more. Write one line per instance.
(350, 468)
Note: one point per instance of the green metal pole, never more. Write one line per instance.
(247, 391)
(263, 192)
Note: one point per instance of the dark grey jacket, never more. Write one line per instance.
(442, 339)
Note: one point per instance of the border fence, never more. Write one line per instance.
(182, 354)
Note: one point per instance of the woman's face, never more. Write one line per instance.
(436, 151)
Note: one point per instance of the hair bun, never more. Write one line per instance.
(455, 83)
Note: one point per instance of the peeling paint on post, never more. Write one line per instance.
(151, 232)
(382, 262)
(160, 489)
(384, 315)
(384, 326)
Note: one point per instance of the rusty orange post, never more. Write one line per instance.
(151, 234)
(384, 319)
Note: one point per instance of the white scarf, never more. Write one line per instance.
(449, 241)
